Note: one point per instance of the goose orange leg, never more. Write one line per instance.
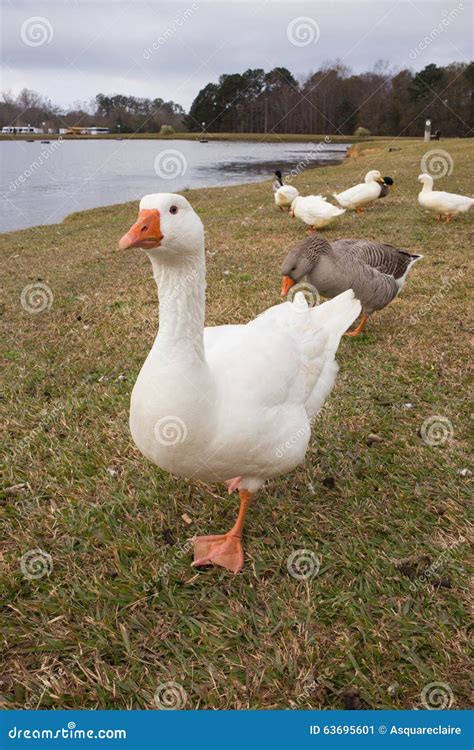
(448, 218)
(359, 210)
(224, 549)
(359, 328)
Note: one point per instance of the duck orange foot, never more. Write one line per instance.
(223, 549)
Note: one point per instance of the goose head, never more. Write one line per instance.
(300, 262)
(426, 179)
(167, 227)
(278, 175)
(374, 176)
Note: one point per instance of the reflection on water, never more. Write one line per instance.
(43, 183)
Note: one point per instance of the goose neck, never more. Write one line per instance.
(181, 293)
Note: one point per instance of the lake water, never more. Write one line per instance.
(43, 183)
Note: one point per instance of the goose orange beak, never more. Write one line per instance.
(145, 233)
(286, 284)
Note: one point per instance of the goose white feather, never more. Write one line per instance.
(440, 202)
(285, 195)
(360, 195)
(315, 211)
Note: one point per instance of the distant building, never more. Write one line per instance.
(97, 131)
(20, 129)
(94, 130)
(29, 129)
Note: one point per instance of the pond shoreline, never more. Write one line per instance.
(251, 137)
(45, 181)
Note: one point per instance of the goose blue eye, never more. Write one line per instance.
(174, 210)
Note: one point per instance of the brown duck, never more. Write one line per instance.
(375, 271)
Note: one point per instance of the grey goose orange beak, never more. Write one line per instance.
(145, 233)
(286, 284)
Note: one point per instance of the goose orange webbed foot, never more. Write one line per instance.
(223, 549)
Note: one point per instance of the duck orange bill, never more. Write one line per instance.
(145, 233)
(286, 284)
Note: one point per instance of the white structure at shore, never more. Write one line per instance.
(94, 130)
(20, 129)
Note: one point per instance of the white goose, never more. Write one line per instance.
(443, 204)
(315, 211)
(284, 194)
(355, 198)
(228, 401)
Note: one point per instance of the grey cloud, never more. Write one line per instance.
(101, 46)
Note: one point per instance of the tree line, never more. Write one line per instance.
(334, 100)
(331, 101)
(122, 114)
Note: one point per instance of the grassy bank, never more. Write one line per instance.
(121, 611)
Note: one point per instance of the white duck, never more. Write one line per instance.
(228, 401)
(284, 194)
(443, 204)
(315, 211)
(355, 198)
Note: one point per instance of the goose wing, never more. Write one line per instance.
(380, 255)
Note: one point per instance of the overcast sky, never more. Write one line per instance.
(69, 50)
